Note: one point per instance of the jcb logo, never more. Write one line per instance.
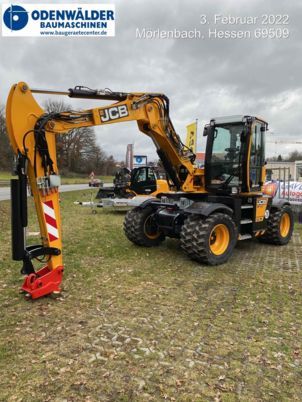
(114, 113)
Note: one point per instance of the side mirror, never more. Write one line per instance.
(207, 130)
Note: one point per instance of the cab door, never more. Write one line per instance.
(143, 181)
(256, 156)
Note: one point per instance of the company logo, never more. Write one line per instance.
(15, 18)
(58, 20)
(114, 113)
(139, 160)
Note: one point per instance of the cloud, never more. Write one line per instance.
(203, 78)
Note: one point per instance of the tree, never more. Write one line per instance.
(78, 151)
(295, 156)
(110, 166)
(6, 153)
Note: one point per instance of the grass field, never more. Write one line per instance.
(6, 176)
(137, 324)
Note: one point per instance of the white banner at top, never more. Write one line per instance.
(58, 20)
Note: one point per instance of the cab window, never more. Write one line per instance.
(257, 155)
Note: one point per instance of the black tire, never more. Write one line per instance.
(197, 233)
(140, 229)
(273, 234)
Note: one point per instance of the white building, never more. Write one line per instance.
(277, 170)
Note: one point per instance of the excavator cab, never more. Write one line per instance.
(235, 154)
(144, 180)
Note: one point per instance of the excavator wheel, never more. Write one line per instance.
(140, 228)
(209, 240)
(280, 227)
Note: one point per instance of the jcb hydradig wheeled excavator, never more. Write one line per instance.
(210, 209)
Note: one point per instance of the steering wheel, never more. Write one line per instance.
(232, 153)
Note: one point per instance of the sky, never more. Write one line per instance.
(202, 78)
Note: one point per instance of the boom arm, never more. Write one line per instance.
(32, 134)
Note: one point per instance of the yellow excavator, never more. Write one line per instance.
(209, 209)
(141, 181)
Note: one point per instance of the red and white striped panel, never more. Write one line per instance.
(50, 218)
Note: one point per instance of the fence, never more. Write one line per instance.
(280, 186)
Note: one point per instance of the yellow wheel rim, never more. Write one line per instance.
(219, 239)
(284, 224)
(150, 229)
